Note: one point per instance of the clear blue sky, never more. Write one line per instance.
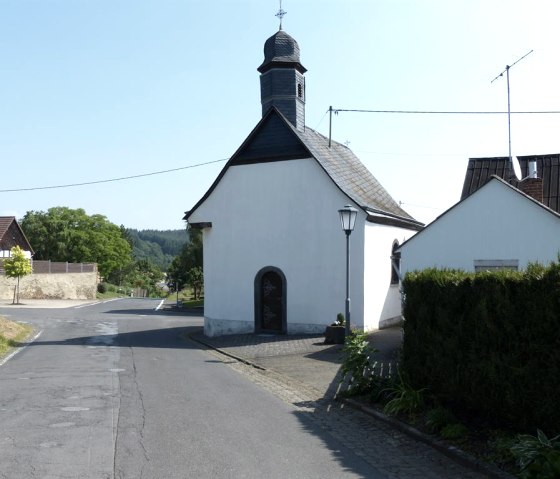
(99, 89)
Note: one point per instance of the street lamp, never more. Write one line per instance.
(348, 219)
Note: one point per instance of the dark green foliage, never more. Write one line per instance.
(64, 234)
(438, 418)
(454, 431)
(340, 320)
(141, 274)
(538, 457)
(196, 281)
(101, 288)
(160, 247)
(402, 397)
(190, 257)
(488, 343)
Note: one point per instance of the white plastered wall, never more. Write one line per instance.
(281, 214)
(494, 223)
(382, 303)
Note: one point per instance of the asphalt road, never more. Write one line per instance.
(116, 390)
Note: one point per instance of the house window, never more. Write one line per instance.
(300, 90)
(395, 263)
(481, 265)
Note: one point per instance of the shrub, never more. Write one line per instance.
(101, 288)
(357, 362)
(438, 418)
(403, 398)
(340, 320)
(454, 431)
(487, 342)
(537, 456)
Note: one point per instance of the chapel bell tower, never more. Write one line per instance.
(282, 80)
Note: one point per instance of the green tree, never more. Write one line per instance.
(189, 258)
(146, 275)
(196, 281)
(64, 234)
(17, 266)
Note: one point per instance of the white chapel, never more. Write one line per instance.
(274, 249)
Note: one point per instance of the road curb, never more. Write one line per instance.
(450, 451)
(19, 349)
(225, 353)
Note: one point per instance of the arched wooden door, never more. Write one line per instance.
(270, 301)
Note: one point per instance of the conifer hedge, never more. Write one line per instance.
(488, 343)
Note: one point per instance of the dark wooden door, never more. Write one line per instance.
(272, 308)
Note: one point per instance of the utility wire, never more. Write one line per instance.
(425, 112)
(122, 178)
(336, 111)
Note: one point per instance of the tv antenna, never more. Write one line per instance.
(506, 71)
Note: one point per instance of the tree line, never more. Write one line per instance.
(158, 246)
(125, 257)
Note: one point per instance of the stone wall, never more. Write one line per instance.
(51, 286)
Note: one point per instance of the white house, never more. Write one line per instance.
(274, 249)
(496, 226)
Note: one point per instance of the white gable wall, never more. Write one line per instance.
(281, 214)
(494, 223)
(382, 303)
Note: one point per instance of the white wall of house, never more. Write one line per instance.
(281, 214)
(8, 253)
(496, 223)
(382, 303)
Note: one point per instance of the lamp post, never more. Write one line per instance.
(348, 219)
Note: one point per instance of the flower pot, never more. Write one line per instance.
(335, 335)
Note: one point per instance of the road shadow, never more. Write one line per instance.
(163, 338)
(194, 312)
(339, 437)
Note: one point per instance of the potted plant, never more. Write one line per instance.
(336, 332)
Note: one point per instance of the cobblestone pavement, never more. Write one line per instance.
(284, 368)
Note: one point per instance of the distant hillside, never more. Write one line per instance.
(160, 247)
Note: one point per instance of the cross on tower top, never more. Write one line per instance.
(280, 15)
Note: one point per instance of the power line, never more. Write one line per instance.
(427, 112)
(122, 178)
(336, 111)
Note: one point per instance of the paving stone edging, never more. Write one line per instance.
(225, 353)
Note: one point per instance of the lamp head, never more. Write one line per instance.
(348, 218)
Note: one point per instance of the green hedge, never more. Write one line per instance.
(487, 342)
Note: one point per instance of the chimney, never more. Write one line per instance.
(533, 169)
(532, 185)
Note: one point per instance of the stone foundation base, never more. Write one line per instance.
(222, 327)
(390, 322)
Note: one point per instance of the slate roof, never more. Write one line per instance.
(276, 139)
(281, 49)
(351, 176)
(480, 170)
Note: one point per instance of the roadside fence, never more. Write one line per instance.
(58, 267)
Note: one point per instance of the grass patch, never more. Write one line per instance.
(11, 334)
(193, 304)
(109, 295)
(186, 298)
